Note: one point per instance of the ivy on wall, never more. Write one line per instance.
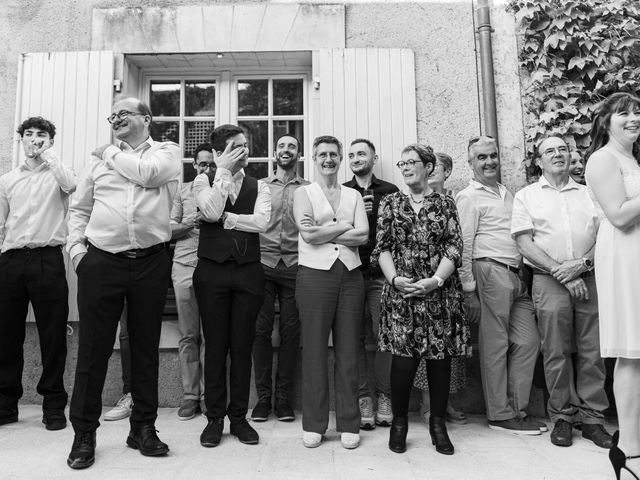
(576, 53)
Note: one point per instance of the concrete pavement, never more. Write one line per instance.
(28, 451)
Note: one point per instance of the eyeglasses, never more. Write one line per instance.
(121, 115)
(408, 163)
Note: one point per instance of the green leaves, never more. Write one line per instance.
(573, 54)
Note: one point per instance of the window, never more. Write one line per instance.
(187, 108)
(267, 107)
(184, 112)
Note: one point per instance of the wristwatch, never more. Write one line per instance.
(439, 280)
(587, 262)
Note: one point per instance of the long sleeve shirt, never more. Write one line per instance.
(485, 219)
(34, 203)
(184, 208)
(124, 200)
(280, 240)
(211, 201)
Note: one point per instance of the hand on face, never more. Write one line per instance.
(234, 156)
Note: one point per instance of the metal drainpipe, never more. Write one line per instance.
(486, 67)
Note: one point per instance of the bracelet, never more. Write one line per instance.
(393, 281)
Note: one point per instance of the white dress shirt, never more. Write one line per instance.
(485, 219)
(211, 201)
(124, 200)
(34, 203)
(564, 222)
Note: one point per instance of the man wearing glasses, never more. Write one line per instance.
(185, 227)
(495, 295)
(118, 232)
(555, 224)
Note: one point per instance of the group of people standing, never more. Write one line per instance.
(417, 267)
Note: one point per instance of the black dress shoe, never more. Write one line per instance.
(439, 435)
(145, 439)
(212, 433)
(8, 416)
(83, 450)
(244, 432)
(284, 412)
(597, 434)
(398, 435)
(562, 433)
(54, 419)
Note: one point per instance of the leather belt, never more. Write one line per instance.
(587, 274)
(496, 262)
(136, 252)
(27, 250)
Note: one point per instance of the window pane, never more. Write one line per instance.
(287, 97)
(165, 99)
(294, 127)
(257, 133)
(195, 133)
(257, 169)
(165, 131)
(200, 98)
(252, 97)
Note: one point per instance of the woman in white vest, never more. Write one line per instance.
(332, 222)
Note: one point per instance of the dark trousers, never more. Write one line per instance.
(280, 282)
(330, 301)
(104, 281)
(125, 352)
(229, 298)
(36, 276)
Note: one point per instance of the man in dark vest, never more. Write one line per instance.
(229, 280)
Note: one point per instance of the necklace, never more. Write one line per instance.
(417, 202)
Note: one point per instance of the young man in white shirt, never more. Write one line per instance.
(34, 199)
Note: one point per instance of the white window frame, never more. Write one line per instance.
(227, 99)
(181, 118)
(270, 117)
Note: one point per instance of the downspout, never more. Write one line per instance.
(486, 69)
(18, 111)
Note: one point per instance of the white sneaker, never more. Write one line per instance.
(350, 440)
(311, 439)
(121, 410)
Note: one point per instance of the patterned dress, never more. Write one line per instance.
(434, 326)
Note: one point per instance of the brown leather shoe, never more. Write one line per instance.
(562, 433)
(597, 434)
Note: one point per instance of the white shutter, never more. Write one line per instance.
(365, 93)
(74, 90)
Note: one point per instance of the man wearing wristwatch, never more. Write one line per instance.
(495, 295)
(555, 225)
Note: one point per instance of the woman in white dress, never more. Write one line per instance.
(613, 175)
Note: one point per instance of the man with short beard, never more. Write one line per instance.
(279, 257)
(362, 158)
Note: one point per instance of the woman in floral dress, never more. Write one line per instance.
(418, 248)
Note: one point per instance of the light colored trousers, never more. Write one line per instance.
(508, 339)
(568, 326)
(191, 344)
